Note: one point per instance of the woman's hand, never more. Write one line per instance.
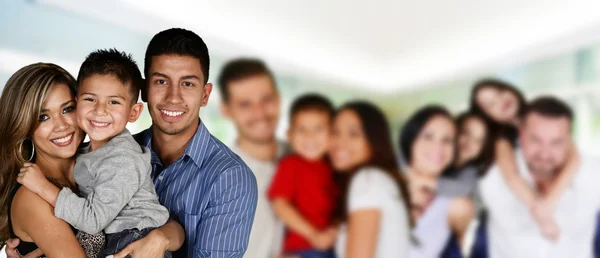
(32, 177)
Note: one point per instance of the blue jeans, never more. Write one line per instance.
(313, 253)
(118, 241)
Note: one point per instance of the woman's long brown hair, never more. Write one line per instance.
(20, 106)
(377, 132)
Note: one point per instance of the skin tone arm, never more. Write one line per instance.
(169, 237)
(541, 207)
(41, 227)
(363, 230)
(294, 220)
(32, 177)
(460, 215)
(505, 159)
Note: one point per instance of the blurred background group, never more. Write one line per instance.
(399, 55)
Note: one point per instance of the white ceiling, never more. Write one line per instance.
(381, 44)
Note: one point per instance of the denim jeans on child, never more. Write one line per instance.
(118, 241)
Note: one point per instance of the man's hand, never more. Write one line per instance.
(154, 245)
(542, 215)
(11, 250)
(32, 177)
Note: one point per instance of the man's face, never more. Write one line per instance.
(176, 91)
(253, 107)
(546, 142)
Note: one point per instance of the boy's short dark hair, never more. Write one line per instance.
(239, 69)
(113, 62)
(311, 102)
(549, 106)
(180, 42)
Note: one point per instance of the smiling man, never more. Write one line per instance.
(546, 142)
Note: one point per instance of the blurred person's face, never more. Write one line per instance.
(57, 134)
(433, 149)
(545, 142)
(104, 107)
(309, 134)
(349, 146)
(500, 105)
(176, 91)
(471, 139)
(253, 106)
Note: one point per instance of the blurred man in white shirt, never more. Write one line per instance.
(251, 100)
(546, 143)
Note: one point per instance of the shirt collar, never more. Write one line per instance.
(196, 149)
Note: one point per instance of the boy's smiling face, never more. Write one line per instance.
(104, 106)
(309, 134)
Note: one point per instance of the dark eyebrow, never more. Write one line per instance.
(61, 105)
(111, 96)
(187, 77)
(159, 75)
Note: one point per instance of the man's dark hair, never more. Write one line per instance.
(179, 42)
(113, 62)
(311, 102)
(239, 69)
(549, 106)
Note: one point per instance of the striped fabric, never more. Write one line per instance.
(211, 192)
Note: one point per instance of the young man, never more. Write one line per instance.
(208, 190)
(545, 139)
(250, 99)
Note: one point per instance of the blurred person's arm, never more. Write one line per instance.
(460, 215)
(292, 219)
(565, 177)
(506, 162)
(363, 231)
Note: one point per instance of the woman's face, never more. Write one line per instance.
(433, 149)
(500, 105)
(57, 135)
(349, 146)
(471, 139)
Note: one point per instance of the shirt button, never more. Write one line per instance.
(160, 178)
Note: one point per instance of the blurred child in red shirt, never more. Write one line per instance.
(303, 190)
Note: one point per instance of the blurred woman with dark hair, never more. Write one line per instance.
(373, 206)
(473, 156)
(427, 144)
(502, 105)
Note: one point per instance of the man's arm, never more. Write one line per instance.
(226, 222)
(168, 237)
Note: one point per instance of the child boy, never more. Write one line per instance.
(112, 173)
(302, 191)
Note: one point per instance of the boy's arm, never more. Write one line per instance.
(117, 180)
(32, 177)
(507, 164)
(294, 220)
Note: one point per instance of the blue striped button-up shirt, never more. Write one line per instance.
(211, 192)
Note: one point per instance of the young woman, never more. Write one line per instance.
(503, 105)
(37, 124)
(373, 206)
(473, 156)
(427, 143)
